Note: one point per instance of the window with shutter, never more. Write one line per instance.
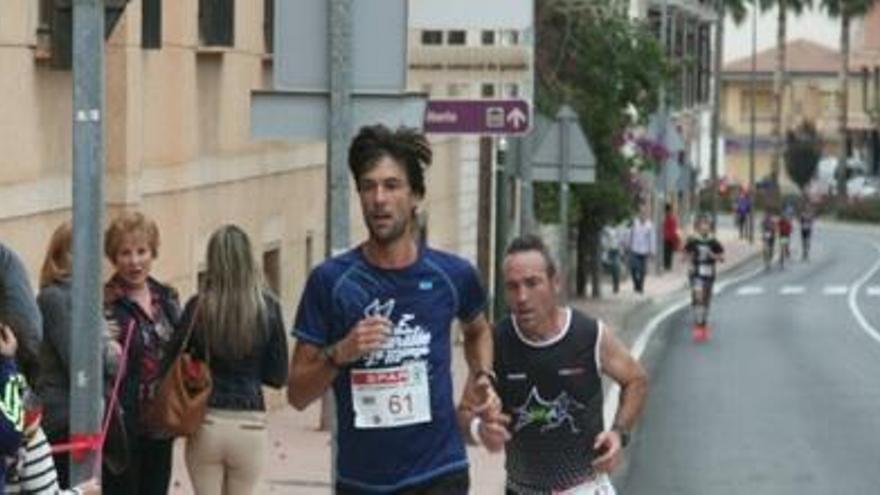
(151, 24)
(269, 25)
(217, 22)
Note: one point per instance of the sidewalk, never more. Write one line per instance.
(298, 458)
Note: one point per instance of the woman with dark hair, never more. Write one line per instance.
(145, 311)
(238, 328)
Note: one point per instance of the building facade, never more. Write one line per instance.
(179, 74)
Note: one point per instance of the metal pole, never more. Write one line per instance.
(527, 195)
(660, 188)
(339, 133)
(753, 119)
(502, 222)
(716, 110)
(86, 391)
(565, 122)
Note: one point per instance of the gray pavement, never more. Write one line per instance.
(784, 398)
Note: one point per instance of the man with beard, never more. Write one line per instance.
(374, 323)
(550, 359)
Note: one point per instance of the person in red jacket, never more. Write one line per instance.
(670, 237)
(784, 237)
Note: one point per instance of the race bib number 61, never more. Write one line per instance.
(391, 397)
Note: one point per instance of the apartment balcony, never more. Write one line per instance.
(494, 59)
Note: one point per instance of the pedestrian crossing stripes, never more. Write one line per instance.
(792, 290)
(797, 290)
(750, 290)
(836, 290)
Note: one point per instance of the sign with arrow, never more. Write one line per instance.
(484, 117)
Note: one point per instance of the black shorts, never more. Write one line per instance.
(705, 282)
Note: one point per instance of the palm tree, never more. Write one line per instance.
(846, 10)
(737, 10)
(780, 77)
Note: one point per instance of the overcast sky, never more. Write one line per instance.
(813, 25)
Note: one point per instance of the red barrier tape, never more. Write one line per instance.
(80, 444)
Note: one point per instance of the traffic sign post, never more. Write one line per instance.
(564, 155)
(483, 117)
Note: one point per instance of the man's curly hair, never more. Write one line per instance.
(407, 146)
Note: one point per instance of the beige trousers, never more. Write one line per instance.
(226, 455)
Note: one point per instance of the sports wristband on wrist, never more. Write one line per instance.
(476, 422)
(493, 378)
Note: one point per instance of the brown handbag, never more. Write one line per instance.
(181, 398)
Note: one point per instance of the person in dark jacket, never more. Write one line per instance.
(145, 311)
(11, 406)
(53, 382)
(238, 329)
(18, 310)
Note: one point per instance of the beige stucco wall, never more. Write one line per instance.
(178, 148)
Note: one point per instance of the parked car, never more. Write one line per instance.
(863, 187)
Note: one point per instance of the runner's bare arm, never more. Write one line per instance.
(312, 369)
(478, 353)
(311, 374)
(618, 363)
(623, 368)
(478, 344)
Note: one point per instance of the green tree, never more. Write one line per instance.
(611, 93)
(802, 154)
(780, 77)
(846, 11)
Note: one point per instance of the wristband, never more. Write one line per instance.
(493, 378)
(476, 422)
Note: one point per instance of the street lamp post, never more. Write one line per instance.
(753, 83)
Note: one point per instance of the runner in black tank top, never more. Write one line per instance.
(549, 360)
(553, 393)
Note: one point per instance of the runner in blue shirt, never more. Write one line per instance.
(374, 323)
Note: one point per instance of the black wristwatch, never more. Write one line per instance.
(623, 433)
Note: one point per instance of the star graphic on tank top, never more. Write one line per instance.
(548, 415)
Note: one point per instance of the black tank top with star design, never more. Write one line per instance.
(552, 391)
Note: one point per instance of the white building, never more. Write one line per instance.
(468, 49)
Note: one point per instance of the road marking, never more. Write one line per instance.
(750, 290)
(873, 291)
(792, 290)
(835, 290)
(612, 397)
(853, 304)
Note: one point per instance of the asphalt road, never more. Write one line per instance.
(785, 398)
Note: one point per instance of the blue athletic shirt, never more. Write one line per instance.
(421, 301)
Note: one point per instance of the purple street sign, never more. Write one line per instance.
(508, 117)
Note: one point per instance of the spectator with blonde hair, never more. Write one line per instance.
(238, 328)
(136, 302)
